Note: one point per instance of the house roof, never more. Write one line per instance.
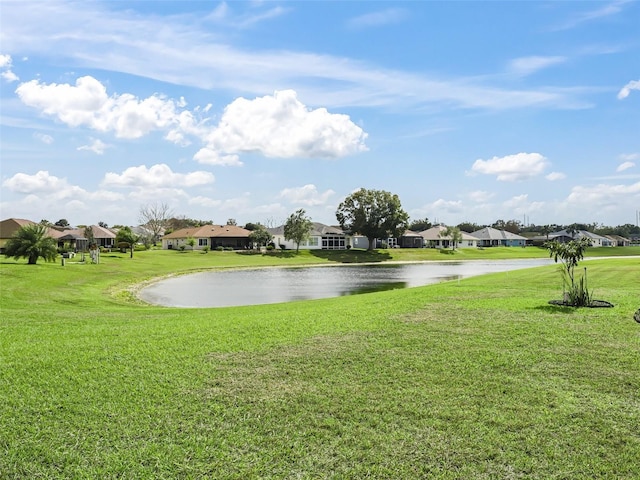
(578, 234)
(317, 230)
(10, 226)
(210, 231)
(433, 233)
(490, 233)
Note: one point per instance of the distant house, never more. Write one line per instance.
(564, 236)
(10, 226)
(492, 237)
(76, 238)
(321, 237)
(410, 239)
(433, 239)
(211, 236)
(618, 240)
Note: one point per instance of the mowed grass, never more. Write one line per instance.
(473, 379)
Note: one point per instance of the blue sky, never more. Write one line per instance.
(469, 111)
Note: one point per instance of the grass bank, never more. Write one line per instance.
(473, 379)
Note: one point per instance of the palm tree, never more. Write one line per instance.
(32, 242)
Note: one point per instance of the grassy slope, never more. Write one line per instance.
(474, 379)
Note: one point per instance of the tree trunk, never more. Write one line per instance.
(33, 259)
(371, 241)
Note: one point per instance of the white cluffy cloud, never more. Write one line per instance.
(280, 126)
(97, 146)
(5, 65)
(87, 104)
(519, 166)
(157, 176)
(306, 195)
(626, 90)
(50, 187)
(625, 166)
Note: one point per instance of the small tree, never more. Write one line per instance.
(155, 217)
(126, 236)
(62, 223)
(191, 242)
(297, 227)
(453, 234)
(260, 236)
(569, 254)
(32, 242)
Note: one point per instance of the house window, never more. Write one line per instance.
(203, 242)
(313, 241)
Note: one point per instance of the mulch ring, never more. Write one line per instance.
(593, 304)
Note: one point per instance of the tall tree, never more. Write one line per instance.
(32, 242)
(63, 222)
(155, 217)
(232, 221)
(420, 225)
(374, 214)
(297, 227)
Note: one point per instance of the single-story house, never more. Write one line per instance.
(492, 237)
(76, 238)
(564, 236)
(618, 240)
(211, 236)
(10, 226)
(433, 239)
(321, 237)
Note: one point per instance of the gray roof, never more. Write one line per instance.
(490, 233)
(317, 230)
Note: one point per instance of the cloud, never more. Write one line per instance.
(379, 18)
(520, 166)
(625, 166)
(87, 104)
(5, 64)
(480, 196)
(40, 182)
(46, 186)
(44, 138)
(182, 50)
(554, 176)
(307, 195)
(158, 176)
(520, 204)
(524, 66)
(607, 10)
(209, 156)
(626, 90)
(630, 156)
(604, 194)
(283, 127)
(97, 146)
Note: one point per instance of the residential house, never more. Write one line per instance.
(211, 236)
(321, 237)
(618, 240)
(564, 236)
(76, 238)
(492, 237)
(433, 238)
(10, 226)
(410, 239)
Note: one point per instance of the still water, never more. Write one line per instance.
(276, 285)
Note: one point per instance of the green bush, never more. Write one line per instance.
(220, 248)
(205, 249)
(229, 249)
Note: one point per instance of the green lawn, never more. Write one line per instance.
(473, 379)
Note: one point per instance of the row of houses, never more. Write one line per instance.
(327, 237)
(324, 237)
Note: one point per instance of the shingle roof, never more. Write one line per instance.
(490, 233)
(210, 231)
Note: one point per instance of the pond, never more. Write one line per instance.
(278, 284)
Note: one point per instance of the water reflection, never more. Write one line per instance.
(276, 285)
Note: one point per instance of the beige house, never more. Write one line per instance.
(10, 226)
(210, 236)
(435, 238)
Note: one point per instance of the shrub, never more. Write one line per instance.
(220, 248)
(229, 249)
(182, 247)
(205, 249)
(270, 247)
